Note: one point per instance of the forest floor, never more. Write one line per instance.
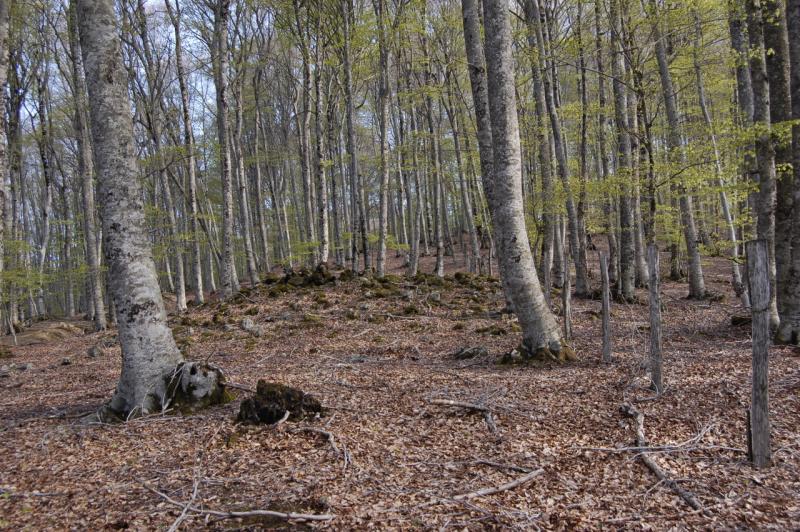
(377, 356)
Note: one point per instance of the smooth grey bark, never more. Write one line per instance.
(304, 125)
(149, 353)
(765, 149)
(358, 222)
(228, 279)
(188, 143)
(261, 215)
(542, 136)
(697, 288)
(776, 41)
(244, 192)
(383, 112)
(495, 103)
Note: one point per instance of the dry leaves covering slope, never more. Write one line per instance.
(376, 356)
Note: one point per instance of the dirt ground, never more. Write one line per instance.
(376, 356)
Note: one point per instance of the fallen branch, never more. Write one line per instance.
(486, 411)
(289, 516)
(660, 473)
(505, 487)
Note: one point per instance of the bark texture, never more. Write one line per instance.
(539, 327)
(150, 356)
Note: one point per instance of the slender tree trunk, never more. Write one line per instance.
(723, 197)
(228, 277)
(191, 164)
(534, 18)
(789, 331)
(383, 112)
(765, 150)
(602, 155)
(697, 288)
(627, 277)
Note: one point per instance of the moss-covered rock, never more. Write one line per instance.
(271, 402)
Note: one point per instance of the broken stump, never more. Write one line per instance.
(271, 402)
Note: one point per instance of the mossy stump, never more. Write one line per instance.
(271, 402)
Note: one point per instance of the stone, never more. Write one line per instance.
(94, 352)
(471, 352)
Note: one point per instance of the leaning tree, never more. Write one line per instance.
(154, 373)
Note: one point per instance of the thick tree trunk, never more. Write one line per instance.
(150, 358)
(495, 103)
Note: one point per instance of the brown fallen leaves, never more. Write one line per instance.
(376, 367)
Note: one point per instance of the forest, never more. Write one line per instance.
(399, 264)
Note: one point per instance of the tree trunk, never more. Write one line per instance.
(495, 103)
(765, 150)
(737, 284)
(191, 165)
(627, 277)
(150, 358)
(697, 288)
(383, 112)
(228, 277)
(789, 330)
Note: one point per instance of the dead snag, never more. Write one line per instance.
(606, 308)
(758, 416)
(655, 319)
(662, 475)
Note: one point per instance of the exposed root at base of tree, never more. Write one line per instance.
(662, 475)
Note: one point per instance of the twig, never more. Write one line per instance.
(660, 473)
(290, 516)
(450, 402)
(510, 467)
(505, 487)
(185, 511)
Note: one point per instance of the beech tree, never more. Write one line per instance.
(152, 365)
